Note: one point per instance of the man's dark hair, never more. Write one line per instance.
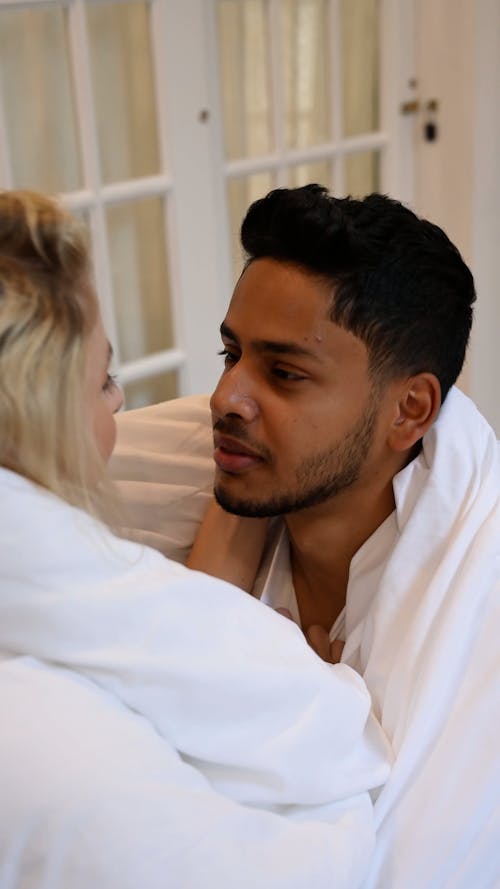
(401, 286)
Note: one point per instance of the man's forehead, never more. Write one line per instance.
(269, 289)
(266, 315)
(290, 273)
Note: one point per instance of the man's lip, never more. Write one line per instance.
(232, 456)
(233, 446)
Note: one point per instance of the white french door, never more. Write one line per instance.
(159, 121)
(82, 115)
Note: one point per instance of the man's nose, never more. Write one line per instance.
(234, 394)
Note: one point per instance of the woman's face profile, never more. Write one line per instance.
(103, 396)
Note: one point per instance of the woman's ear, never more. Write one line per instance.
(417, 407)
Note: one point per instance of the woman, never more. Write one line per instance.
(161, 728)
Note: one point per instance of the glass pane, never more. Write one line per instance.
(38, 100)
(360, 65)
(151, 390)
(306, 78)
(122, 73)
(303, 174)
(141, 289)
(241, 193)
(362, 173)
(244, 77)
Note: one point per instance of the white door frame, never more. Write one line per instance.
(200, 273)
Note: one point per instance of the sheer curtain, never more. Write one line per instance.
(292, 79)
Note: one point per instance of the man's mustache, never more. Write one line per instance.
(235, 428)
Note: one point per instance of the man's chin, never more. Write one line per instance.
(246, 508)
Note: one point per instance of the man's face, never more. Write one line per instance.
(294, 412)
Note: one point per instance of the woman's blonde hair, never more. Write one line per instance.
(47, 312)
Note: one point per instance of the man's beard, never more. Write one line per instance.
(318, 478)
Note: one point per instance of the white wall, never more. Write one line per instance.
(458, 176)
(484, 365)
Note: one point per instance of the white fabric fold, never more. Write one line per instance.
(425, 640)
(92, 796)
(224, 681)
(427, 647)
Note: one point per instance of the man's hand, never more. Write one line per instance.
(319, 640)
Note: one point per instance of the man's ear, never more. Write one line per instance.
(417, 407)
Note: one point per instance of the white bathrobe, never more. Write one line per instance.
(424, 635)
(163, 729)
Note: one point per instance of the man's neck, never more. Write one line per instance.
(323, 541)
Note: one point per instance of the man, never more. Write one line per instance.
(343, 338)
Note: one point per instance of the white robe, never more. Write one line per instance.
(162, 728)
(425, 639)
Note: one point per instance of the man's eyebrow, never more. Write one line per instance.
(281, 347)
(110, 353)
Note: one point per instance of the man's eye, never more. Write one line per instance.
(229, 357)
(288, 375)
